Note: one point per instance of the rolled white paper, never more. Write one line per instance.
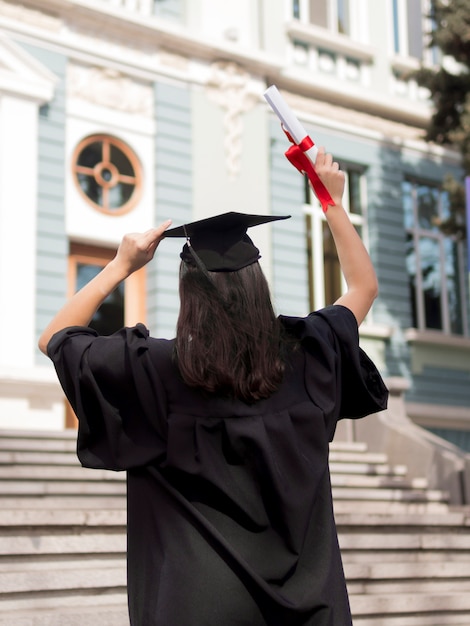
(288, 119)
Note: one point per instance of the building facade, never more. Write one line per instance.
(118, 114)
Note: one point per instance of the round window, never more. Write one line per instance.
(107, 173)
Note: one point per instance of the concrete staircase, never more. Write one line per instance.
(406, 552)
(62, 539)
(62, 535)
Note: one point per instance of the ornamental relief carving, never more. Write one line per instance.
(109, 88)
(229, 87)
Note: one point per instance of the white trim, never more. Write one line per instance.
(439, 415)
(342, 44)
(22, 75)
(375, 331)
(437, 338)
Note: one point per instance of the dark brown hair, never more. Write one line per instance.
(228, 338)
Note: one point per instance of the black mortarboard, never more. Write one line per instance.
(220, 243)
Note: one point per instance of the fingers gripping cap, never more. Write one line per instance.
(221, 242)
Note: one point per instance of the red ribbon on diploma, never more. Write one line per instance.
(296, 155)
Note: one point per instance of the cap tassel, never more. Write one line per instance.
(196, 258)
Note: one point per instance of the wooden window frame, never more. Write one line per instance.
(108, 165)
(134, 292)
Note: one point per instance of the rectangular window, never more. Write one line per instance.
(433, 260)
(169, 9)
(411, 24)
(331, 14)
(326, 282)
(124, 307)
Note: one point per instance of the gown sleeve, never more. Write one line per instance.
(116, 395)
(339, 375)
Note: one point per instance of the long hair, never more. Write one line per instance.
(228, 338)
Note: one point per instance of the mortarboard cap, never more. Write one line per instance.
(220, 243)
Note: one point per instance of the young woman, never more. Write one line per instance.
(224, 431)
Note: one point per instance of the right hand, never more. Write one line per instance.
(330, 175)
(137, 249)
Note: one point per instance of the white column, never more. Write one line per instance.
(18, 210)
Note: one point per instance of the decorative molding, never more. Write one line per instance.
(22, 75)
(109, 88)
(228, 86)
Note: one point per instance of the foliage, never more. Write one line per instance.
(449, 86)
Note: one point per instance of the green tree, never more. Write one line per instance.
(449, 86)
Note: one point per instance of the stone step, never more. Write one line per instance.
(412, 539)
(375, 482)
(423, 587)
(75, 562)
(369, 557)
(362, 467)
(409, 603)
(38, 457)
(76, 540)
(362, 520)
(389, 495)
(435, 619)
(348, 446)
(57, 609)
(77, 501)
(17, 518)
(351, 456)
(45, 442)
(405, 572)
(379, 507)
(41, 472)
(62, 579)
(61, 487)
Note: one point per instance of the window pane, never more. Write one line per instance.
(354, 190)
(91, 155)
(411, 268)
(119, 195)
(454, 295)
(91, 188)
(110, 316)
(121, 162)
(407, 189)
(428, 207)
(396, 28)
(429, 255)
(169, 9)
(332, 269)
(295, 9)
(319, 12)
(415, 29)
(343, 17)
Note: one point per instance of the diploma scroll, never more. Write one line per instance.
(303, 153)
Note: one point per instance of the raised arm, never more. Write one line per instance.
(354, 259)
(135, 251)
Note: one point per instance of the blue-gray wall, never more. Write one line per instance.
(289, 253)
(173, 191)
(52, 244)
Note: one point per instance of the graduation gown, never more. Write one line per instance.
(230, 516)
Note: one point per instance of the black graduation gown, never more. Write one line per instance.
(230, 518)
